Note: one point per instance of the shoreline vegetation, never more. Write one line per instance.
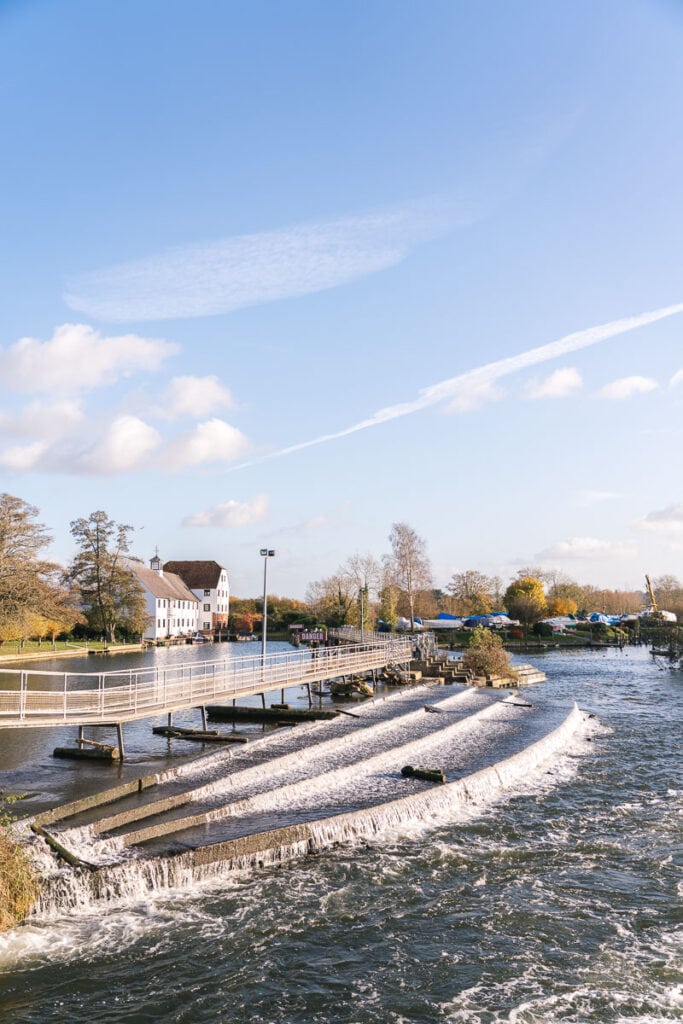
(19, 880)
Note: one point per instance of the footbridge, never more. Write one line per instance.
(31, 698)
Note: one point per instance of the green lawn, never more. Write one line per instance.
(13, 649)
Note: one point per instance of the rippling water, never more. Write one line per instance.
(561, 904)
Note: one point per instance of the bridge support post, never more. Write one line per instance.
(310, 697)
(80, 737)
(119, 734)
(263, 700)
(203, 711)
(170, 720)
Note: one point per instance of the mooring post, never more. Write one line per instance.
(263, 699)
(119, 733)
(170, 720)
(80, 736)
(282, 695)
(203, 711)
(310, 697)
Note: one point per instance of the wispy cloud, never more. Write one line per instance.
(472, 396)
(626, 387)
(194, 396)
(77, 358)
(43, 419)
(588, 498)
(246, 270)
(666, 520)
(676, 379)
(231, 514)
(560, 384)
(22, 457)
(587, 548)
(484, 376)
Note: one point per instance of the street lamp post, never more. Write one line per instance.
(266, 553)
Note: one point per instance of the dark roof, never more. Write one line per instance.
(169, 585)
(196, 575)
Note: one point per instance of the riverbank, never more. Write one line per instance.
(72, 651)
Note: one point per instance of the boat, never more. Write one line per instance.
(198, 638)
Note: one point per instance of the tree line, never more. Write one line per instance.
(40, 599)
(99, 593)
(400, 584)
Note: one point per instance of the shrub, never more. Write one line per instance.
(543, 629)
(486, 656)
(19, 885)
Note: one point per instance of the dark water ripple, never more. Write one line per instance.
(562, 904)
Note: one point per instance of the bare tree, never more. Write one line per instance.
(410, 563)
(365, 574)
(333, 599)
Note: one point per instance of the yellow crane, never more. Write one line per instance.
(652, 595)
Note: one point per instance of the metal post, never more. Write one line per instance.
(266, 553)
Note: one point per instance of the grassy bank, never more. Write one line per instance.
(19, 884)
(31, 649)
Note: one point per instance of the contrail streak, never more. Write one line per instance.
(483, 375)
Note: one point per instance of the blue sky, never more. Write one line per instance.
(230, 230)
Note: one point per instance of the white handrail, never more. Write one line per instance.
(44, 697)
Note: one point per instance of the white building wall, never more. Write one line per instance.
(171, 617)
(214, 603)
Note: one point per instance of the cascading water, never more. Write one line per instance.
(361, 798)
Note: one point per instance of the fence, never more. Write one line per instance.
(32, 697)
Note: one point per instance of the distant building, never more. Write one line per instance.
(208, 581)
(172, 607)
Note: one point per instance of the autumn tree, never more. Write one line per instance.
(473, 592)
(30, 591)
(109, 591)
(562, 606)
(410, 563)
(525, 600)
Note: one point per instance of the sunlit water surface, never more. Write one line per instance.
(561, 904)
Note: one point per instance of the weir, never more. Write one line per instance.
(286, 807)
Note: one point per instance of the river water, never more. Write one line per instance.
(561, 903)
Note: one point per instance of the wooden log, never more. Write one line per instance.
(62, 851)
(426, 774)
(101, 753)
(95, 743)
(200, 736)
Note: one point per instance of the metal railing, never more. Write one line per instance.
(423, 644)
(32, 697)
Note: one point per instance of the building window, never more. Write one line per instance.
(207, 625)
(207, 593)
(207, 607)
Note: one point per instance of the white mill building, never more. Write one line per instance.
(172, 607)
